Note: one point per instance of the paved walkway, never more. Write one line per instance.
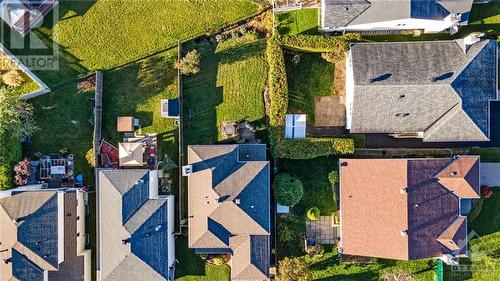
(322, 231)
(490, 174)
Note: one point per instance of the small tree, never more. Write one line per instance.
(90, 156)
(190, 64)
(13, 78)
(290, 228)
(288, 189)
(313, 213)
(22, 171)
(293, 269)
(333, 177)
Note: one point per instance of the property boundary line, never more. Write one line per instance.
(181, 137)
(97, 115)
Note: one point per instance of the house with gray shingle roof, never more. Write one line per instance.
(135, 227)
(439, 91)
(396, 16)
(229, 206)
(42, 235)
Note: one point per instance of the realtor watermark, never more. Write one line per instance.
(476, 261)
(32, 48)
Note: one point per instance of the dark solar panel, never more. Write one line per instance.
(38, 231)
(150, 242)
(476, 85)
(134, 198)
(23, 269)
(254, 198)
(427, 9)
(260, 252)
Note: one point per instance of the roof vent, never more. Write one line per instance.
(403, 190)
(347, 8)
(237, 201)
(406, 114)
(402, 96)
(416, 205)
(125, 241)
(403, 233)
(454, 173)
(158, 227)
(7, 261)
(187, 170)
(343, 164)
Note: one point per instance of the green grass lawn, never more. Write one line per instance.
(485, 13)
(193, 268)
(485, 247)
(310, 78)
(104, 34)
(488, 154)
(329, 268)
(304, 21)
(229, 87)
(313, 174)
(136, 90)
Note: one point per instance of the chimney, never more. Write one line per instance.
(187, 170)
(403, 233)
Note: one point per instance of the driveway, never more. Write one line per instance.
(490, 174)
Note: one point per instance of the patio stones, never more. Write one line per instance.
(323, 231)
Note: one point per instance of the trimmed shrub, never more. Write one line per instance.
(190, 64)
(293, 269)
(333, 177)
(288, 189)
(218, 260)
(90, 156)
(13, 78)
(318, 43)
(278, 93)
(313, 213)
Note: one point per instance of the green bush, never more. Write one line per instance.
(288, 189)
(313, 213)
(320, 43)
(278, 93)
(218, 260)
(10, 154)
(333, 177)
(5, 177)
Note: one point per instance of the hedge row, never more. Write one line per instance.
(10, 154)
(278, 93)
(320, 43)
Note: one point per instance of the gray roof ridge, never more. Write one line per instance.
(208, 232)
(142, 209)
(131, 255)
(370, 4)
(469, 61)
(432, 128)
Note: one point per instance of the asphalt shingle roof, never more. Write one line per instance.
(441, 88)
(229, 206)
(144, 222)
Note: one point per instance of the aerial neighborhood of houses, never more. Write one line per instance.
(249, 140)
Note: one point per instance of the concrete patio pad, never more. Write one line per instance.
(330, 111)
(322, 231)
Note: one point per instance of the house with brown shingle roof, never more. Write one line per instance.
(229, 206)
(42, 235)
(407, 209)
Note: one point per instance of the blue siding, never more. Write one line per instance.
(427, 9)
(476, 85)
(133, 199)
(150, 242)
(23, 269)
(38, 231)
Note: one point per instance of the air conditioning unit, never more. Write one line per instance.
(187, 170)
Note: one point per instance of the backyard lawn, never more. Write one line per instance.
(100, 34)
(136, 90)
(192, 267)
(311, 77)
(229, 87)
(304, 21)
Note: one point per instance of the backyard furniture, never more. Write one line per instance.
(245, 131)
(125, 124)
(169, 108)
(228, 129)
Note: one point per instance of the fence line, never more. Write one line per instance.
(181, 136)
(97, 115)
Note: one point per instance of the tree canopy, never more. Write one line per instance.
(288, 189)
